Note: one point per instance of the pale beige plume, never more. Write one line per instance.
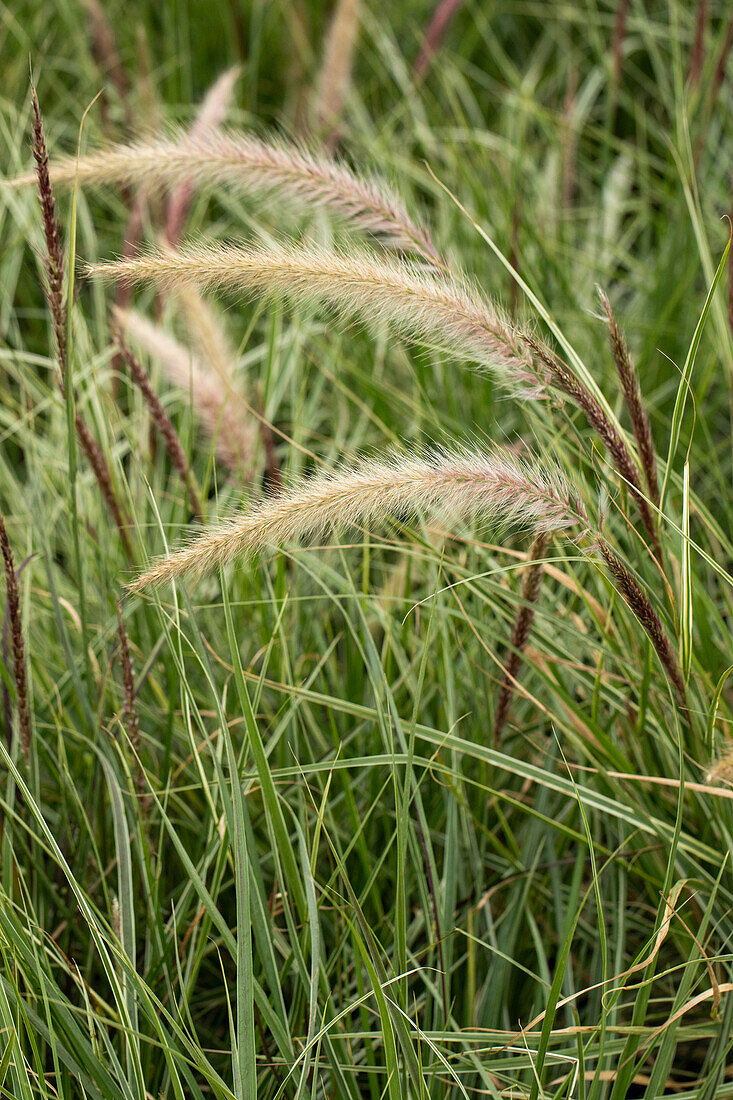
(458, 484)
(428, 308)
(252, 167)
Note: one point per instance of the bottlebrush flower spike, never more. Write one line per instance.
(461, 485)
(251, 166)
(423, 306)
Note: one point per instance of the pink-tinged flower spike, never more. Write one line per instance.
(248, 165)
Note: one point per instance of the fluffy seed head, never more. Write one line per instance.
(253, 167)
(460, 484)
(431, 308)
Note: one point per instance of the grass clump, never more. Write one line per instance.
(441, 807)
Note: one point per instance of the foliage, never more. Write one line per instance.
(263, 841)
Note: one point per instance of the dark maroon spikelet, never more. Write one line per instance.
(16, 633)
(639, 603)
(132, 724)
(531, 582)
(98, 463)
(54, 257)
(55, 296)
(632, 393)
(562, 378)
(6, 642)
(163, 422)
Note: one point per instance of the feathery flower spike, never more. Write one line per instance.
(253, 167)
(461, 484)
(16, 634)
(419, 304)
(55, 296)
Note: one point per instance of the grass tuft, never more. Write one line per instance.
(441, 808)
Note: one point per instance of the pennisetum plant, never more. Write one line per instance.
(399, 279)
